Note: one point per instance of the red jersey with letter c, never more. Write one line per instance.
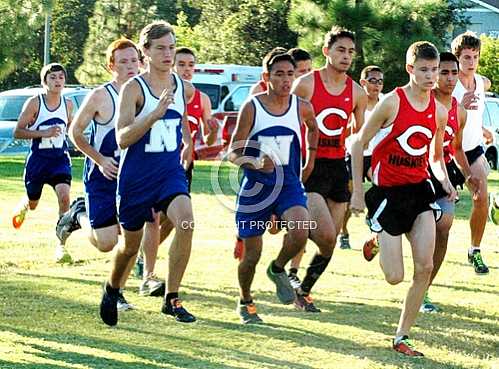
(332, 113)
(450, 131)
(195, 113)
(401, 158)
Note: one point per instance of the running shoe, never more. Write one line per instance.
(306, 303)
(371, 248)
(285, 293)
(175, 309)
(248, 314)
(294, 281)
(427, 306)
(19, 216)
(62, 256)
(123, 304)
(152, 286)
(109, 305)
(405, 346)
(239, 249)
(345, 242)
(476, 260)
(68, 222)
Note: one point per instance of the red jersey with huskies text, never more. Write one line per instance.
(332, 113)
(450, 131)
(401, 158)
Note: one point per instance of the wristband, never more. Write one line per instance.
(312, 148)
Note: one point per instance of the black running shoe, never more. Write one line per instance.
(476, 260)
(108, 305)
(68, 222)
(176, 310)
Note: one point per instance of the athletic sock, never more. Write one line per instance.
(317, 266)
(170, 296)
(293, 271)
(111, 290)
(397, 339)
(246, 302)
(472, 249)
(275, 269)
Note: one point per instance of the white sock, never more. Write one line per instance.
(398, 339)
(472, 249)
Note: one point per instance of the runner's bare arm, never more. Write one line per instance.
(240, 136)
(70, 108)
(28, 117)
(383, 114)
(304, 87)
(186, 130)
(308, 117)
(486, 83)
(360, 105)
(209, 124)
(88, 111)
(436, 161)
(460, 156)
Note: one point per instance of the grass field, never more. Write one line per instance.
(49, 313)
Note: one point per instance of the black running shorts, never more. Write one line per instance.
(394, 209)
(329, 179)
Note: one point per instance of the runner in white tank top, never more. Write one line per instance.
(470, 92)
(44, 120)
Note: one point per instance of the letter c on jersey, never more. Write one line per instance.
(324, 114)
(450, 132)
(403, 140)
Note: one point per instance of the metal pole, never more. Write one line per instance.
(46, 43)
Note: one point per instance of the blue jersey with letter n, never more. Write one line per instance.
(46, 118)
(279, 137)
(103, 140)
(156, 155)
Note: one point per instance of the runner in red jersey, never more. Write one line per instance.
(456, 163)
(204, 127)
(335, 97)
(402, 198)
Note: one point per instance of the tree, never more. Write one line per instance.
(111, 20)
(20, 54)
(69, 25)
(239, 32)
(489, 60)
(385, 29)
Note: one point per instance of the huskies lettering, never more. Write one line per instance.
(403, 140)
(321, 117)
(406, 161)
(329, 142)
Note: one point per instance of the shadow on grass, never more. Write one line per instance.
(212, 343)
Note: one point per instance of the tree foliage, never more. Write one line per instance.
(21, 26)
(489, 61)
(384, 28)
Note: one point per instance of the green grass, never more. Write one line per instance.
(49, 313)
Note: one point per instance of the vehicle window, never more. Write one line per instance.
(11, 106)
(493, 110)
(237, 99)
(486, 117)
(225, 92)
(213, 92)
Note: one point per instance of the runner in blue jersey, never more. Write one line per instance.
(267, 145)
(151, 126)
(44, 120)
(96, 213)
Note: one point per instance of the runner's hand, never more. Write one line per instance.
(450, 190)
(109, 168)
(213, 125)
(53, 131)
(474, 185)
(165, 100)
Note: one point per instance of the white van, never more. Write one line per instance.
(227, 85)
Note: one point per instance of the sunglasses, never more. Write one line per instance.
(375, 81)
